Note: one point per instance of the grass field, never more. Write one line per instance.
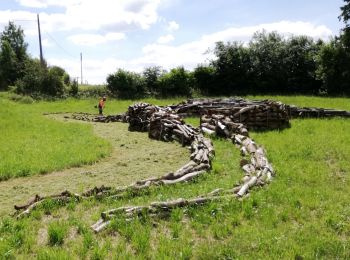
(303, 214)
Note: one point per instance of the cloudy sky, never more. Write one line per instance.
(134, 34)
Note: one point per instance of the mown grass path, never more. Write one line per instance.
(134, 156)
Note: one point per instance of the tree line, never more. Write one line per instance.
(269, 64)
(27, 75)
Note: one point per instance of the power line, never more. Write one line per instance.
(60, 46)
(24, 20)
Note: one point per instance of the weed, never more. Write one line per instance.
(57, 231)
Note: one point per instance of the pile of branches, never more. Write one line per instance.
(100, 119)
(313, 112)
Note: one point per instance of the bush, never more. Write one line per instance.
(74, 88)
(33, 78)
(52, 84)
(126, 84)
(38, 80)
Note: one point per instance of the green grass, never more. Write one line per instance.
(303, 214)
(31, 143)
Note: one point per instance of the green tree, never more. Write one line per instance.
(13, 54)
(15, 37)
(151, 76)
(33, 77)
(334, 59)
(268, 51)
(177, 82)
(126, 84)
(233, 69)
(8, 65)
(300, 65)
(204, 78)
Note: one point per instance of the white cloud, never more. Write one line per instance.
(189, 54)
(95, 39)
(173, 26)
(108, 15)
(165, 39)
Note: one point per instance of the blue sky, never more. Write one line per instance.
(134, 34)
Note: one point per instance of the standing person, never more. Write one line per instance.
(101, 105)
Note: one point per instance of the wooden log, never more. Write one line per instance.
(207, 131)
(249, 168)
(184, 178)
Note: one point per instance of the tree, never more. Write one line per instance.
(204, 78)
(301, 64)
(33, 78)
(126, 84)
(15, 37)
(334, 59)
(268, 51)
(13, 54)
(177, 82)
(232, 69)
(345, 16)
(151, 76)
(8, 65)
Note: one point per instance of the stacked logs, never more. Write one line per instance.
(168, 127)
(221, 125)
(268, 115)
(139, 116)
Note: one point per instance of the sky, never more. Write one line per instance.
(135, 34)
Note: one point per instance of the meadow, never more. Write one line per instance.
(303, 214)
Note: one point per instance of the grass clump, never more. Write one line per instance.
(57, 232)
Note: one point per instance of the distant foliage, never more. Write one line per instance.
(29, 76)
(177, 82)
(205, 79)
(38, 80)
(126, 84)
(151, 76)
(74, 88)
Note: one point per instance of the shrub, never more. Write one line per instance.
(74, 88)
(52, 84)
(38, 80)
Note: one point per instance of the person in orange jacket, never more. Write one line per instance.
(101, 105)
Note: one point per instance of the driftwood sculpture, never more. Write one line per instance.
(229, 118)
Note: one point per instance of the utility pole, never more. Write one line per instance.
(41, 48)
(81, 68)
